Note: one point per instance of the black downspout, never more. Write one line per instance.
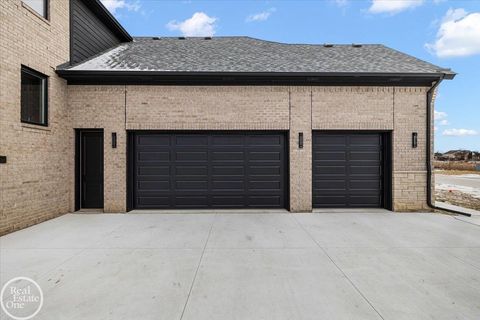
(429, 151)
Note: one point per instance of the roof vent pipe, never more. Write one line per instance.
(181, 38)
(207, 38)
(356, 45)
(327, 45)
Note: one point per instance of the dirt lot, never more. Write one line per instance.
(459, 188)
(457, 198)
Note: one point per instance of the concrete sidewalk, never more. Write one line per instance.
(368, 265)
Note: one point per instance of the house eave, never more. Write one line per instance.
(77, 77)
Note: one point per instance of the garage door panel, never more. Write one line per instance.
(191, 140)
(365, 156)
(333, 169)
(365, 140)
(153, 171)
(330, 155)
(221, 170)
(217, 170)
(228, 201)
(365, 184)
(330, 201)
(328, 184)
(191, 156)
(192, 170)
(153, 140)
(189, 201)
(228, 156)
(154, 201)
(366, 169)
(264, 140)
(365, 200)
(331, 140)
(154, 156)
(347, 169)
(260, 156)
(266, 170)
(191, 184)
(265, 201)
(255, 185)
(228, 141)
(236, 185)
(153, 185)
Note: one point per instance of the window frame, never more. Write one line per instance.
(44, 90)
(46, 9)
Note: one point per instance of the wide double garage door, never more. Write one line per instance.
(349, 169)
(208, 170)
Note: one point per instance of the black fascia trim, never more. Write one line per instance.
(242, 78)
(106, 17)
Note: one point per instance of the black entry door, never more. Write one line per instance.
(91, 169)
(348, 169)
(209, 170)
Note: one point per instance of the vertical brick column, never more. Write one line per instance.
(409, 170)
(103, 107)
(300, 159)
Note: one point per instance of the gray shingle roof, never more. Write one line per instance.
(245, 54)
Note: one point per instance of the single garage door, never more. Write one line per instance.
(347, 170)
(209, 170)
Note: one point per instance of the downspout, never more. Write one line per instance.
(430, 93)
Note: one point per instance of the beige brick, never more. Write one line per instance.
(36, 183)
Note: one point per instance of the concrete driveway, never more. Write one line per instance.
(377, 265)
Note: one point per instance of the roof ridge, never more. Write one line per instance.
(255, 39)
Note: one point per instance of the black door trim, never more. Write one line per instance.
(131, 157)
(78, 165)
(387, 163)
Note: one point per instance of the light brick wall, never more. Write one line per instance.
(103, 107)
(300, 159)
(36, 183)
(352, 108)
(212, 108)
(409, 164)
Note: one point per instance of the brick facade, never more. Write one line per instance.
(36, 182)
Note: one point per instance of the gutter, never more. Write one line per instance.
(429, 149)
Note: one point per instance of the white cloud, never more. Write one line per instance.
(458, 35)
(459, 132)
(114, 5)
(261, 16)
(440, 118)
(393, 6)
(199, 25)
(439, 115)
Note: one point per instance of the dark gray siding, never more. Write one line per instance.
(89, 35)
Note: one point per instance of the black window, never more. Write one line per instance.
(34, 97)
(39, 6)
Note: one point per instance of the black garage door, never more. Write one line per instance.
(347, 170)
(208, 170)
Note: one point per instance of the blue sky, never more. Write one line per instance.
(443, 32)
